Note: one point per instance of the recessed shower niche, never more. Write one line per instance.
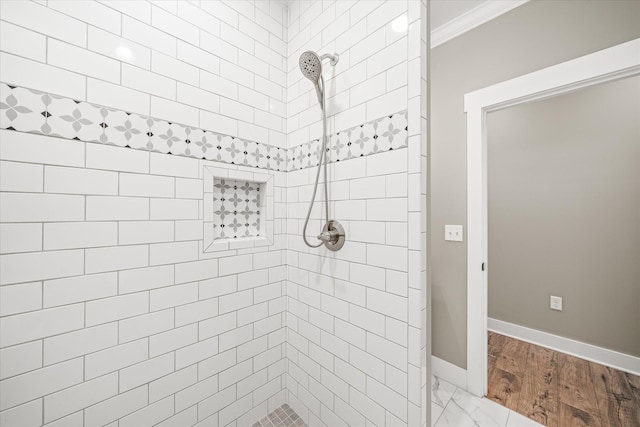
(238, 209)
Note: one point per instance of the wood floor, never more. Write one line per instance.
(558, 390)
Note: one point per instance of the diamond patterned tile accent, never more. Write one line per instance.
(22, 109)
(27, 110)
(72, 119)
(124, 129)
(378, 136)
(236, 209)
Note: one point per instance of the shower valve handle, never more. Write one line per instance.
(332, 235)
(328, 236)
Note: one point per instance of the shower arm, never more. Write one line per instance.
(334, 58)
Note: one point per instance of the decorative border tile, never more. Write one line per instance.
(27, 110)
(378, 136)
(24, 110)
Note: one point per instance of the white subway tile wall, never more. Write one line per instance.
(104, 310)
(355, 352)
(111, 312)
(110, 309)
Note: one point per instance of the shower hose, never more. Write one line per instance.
(322, 162)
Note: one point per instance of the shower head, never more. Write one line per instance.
(311, 67)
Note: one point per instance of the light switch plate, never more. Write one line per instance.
(453, 233)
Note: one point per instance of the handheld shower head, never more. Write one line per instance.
(311, 67)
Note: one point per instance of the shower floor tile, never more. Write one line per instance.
(283, 416)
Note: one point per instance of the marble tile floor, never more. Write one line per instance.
(454, 407)
(283, 416)
(450, 407)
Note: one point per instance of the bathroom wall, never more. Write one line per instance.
(530, 37)
(112, 313)
(355, 351)
(567, 167)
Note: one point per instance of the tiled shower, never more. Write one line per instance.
(157, 161)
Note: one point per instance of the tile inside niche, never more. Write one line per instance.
(236, 208)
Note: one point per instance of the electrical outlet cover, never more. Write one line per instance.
(555, 303)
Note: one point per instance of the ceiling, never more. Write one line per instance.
(443, 11)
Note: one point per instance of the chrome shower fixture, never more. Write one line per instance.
(311, 67)
(332, 235)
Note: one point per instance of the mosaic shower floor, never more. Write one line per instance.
(283, 416)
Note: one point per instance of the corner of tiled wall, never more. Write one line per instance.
(355, 349)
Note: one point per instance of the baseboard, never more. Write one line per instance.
(603, 356)
(471, 19)
(449, 372)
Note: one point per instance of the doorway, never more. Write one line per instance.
(603, 66)
(560, 170)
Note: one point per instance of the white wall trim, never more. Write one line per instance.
(449, 372)
(603, 356)
(472, 19)
(609, 64)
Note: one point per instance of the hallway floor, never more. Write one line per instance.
(558, 390)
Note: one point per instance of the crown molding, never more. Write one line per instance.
(471, 19)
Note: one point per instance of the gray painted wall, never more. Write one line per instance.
(533, 36)
(564, 215)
